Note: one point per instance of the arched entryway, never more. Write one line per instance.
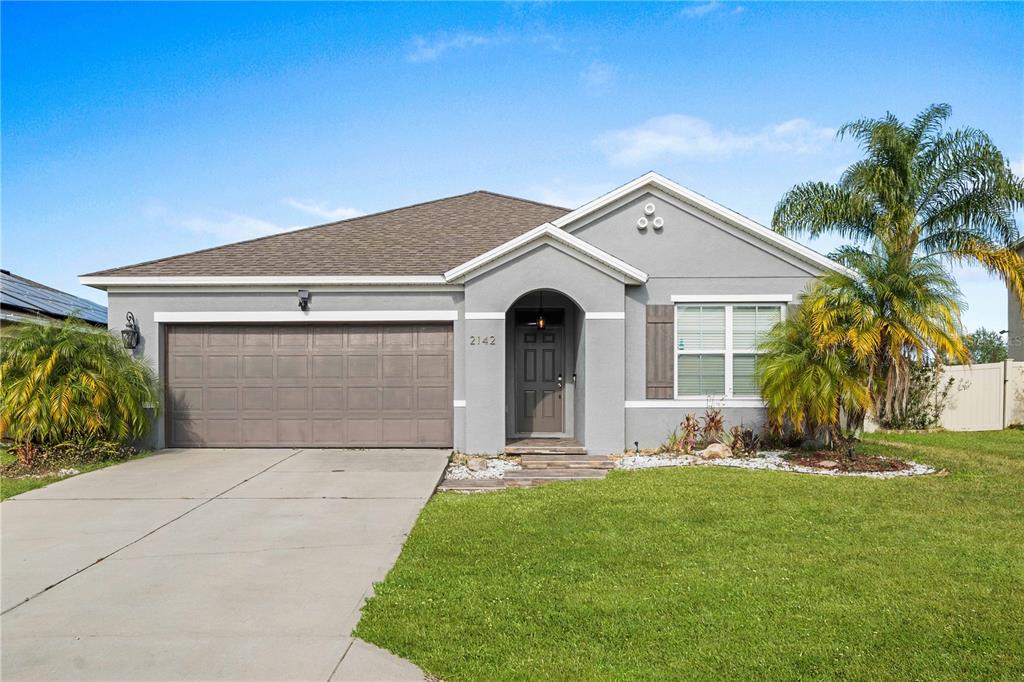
(544, 377)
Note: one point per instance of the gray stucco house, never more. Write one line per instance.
(1015, 339)
(466, 322)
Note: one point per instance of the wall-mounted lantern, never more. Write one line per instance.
(130, 333)
(303, 300)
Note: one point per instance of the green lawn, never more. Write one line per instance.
(715, 573)
(11, 486)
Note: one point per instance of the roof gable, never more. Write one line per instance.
(573, 220)
(547, 234)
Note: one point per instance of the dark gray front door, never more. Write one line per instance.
(539, 380)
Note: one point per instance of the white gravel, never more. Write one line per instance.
(771, 460)
(496, 468)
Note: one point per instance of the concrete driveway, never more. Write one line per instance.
(208, 564)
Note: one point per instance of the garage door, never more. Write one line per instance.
(305, 385)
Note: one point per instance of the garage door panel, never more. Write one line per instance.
(397, 398)
(327, 385)
(222, 337)
(186, 367)
(398, 431)
(328, 366)
(221, 399)
(293, 398)
(362, 431)
(432, 367)
(222, 366)
(222, 431)
(359, 367)
(329, 398)
(292, 367)
(258, 367)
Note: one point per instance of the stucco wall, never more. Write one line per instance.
(144, 304)
(492, 292)
(693, 253)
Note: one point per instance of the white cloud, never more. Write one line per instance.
(226, 226)
(706, 8)
(321, 209)
(1017, 167)
(232, 226)
(599, 75)
(428, 50)
(691, 137)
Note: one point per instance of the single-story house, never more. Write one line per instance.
(22, 300)
(468, 321)
(1015, 330)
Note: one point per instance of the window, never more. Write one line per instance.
(716, 348)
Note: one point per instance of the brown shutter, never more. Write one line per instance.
(659, 351)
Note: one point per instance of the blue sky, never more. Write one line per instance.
(135, 131)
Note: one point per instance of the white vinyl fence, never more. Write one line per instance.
(984, 397)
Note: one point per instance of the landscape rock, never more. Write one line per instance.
(716, 451)
(828, 464)
(477, 464)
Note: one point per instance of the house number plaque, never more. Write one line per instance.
(482, 341)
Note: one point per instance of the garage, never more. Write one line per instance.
(339, 385)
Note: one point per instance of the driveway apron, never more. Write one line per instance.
(205, 564)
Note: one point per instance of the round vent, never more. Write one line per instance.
(641, 224)
(649, 209)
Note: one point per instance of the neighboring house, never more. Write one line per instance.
(421, 326)
(1015, 329)
(23, 300)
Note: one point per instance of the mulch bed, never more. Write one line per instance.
(858, 463)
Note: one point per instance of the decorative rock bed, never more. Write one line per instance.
(495, 468)
(770, 460)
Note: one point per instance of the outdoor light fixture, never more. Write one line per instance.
(303, 300)
(130, 333)
(540, 312)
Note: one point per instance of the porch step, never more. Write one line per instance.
(525, 478)
(566, 461)
(471, 485)
(540, 449)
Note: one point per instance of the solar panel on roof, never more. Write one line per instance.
(19, 293)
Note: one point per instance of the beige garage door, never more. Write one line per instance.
(295, 385)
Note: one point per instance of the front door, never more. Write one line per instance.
(540, 378)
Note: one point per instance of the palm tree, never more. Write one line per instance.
(68, 381)
(811, 386)
(891, 315)
(920, 200)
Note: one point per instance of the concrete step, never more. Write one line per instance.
(471, 485)
(564, 461)
(525, 478)
(535, 449)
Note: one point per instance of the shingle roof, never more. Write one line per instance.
(422, 239)
(24, 295)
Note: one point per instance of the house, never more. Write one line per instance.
(467, 321)
(1015, 340)
(23, 300)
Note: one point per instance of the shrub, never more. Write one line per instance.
(926, 398)
(42, 458)
(713, 426)
(68, 382)
(743, 441)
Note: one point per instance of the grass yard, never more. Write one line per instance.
(715, 573)
(16, 485)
